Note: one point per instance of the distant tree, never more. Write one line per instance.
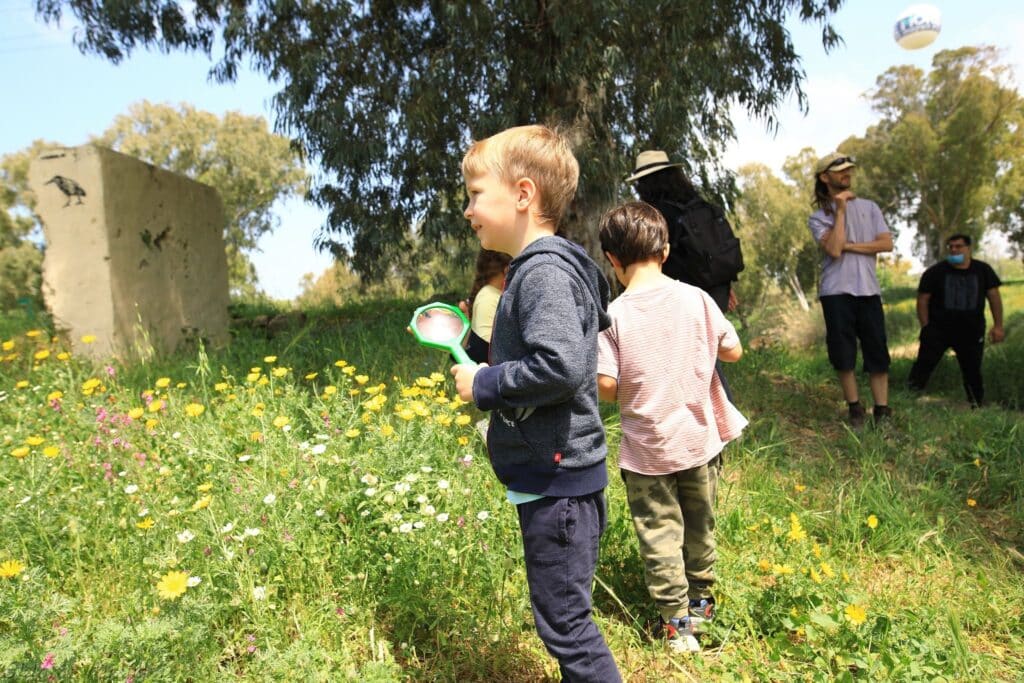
(388, 94)
(250, 167)
(21, 258)
(948, 152)
(772, 218)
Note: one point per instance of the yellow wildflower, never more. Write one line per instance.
(352, 433)
(764, 565)
(406, 414)
(340, 363)
(387, 430)
(151, 423)
(147, 523)
(163, 382)
(42, 354)
(181, 385)
(270, 359)
(203, 488)
(256, 436)
(220, 387)
(8, 345)
(51, 451)
(34, 440)
(815, 576)
(330, 390)
(88, 338)
(63, 355)
(799, 488)
(55, 395)
(10, 569)
(782, 569)
(281, 421)
(349, 370)
(32, 334)
(856, 614)
(463, 440)
(156, 406)
(201, 504)
(796, 530)
(971, 502)
(463, 420)
(312, 375)
(362, 379)
(263, 381)
(172, 586)
(20, 452)
(826, 569)
(872, 522)
(195, 409)
(252, 377)
(136, 413)
(21, 384)
(279, 372)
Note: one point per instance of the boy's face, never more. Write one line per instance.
(492, 211)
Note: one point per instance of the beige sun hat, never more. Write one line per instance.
(648, 162)
(834, 161)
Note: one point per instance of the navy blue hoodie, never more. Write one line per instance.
(545, 434)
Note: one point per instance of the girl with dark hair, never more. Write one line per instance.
(482, 303)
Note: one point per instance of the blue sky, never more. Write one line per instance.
(54, 92)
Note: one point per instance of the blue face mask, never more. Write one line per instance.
(955, 259)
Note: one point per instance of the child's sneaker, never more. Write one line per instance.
(679, 634)
(702, 611)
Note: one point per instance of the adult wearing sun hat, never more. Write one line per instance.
(662, 184)
(851, 232)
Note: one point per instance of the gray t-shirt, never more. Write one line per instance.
(850, 273)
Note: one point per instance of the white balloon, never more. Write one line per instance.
(917, 26)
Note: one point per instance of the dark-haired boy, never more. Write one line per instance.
(676, 418)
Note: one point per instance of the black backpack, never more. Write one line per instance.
(704, 250)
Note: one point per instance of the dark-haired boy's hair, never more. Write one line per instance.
(634, 232)
(822, 198)
(959, 236)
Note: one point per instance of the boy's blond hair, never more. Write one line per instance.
(536, 152)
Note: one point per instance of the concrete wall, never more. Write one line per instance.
(137, 260)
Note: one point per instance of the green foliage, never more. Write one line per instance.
(772, 218)
(947, 153)
(21, 277)
(250, 167)
(388, 94)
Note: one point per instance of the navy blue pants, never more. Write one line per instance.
(560, 544)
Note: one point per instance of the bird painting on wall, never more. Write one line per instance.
(69, 187)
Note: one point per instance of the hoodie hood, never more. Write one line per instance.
(576, 257)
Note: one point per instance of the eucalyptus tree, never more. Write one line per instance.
(947, 154)
(386, 95)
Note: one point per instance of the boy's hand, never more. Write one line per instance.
(464, 374)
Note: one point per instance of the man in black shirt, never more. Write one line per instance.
(951, 309)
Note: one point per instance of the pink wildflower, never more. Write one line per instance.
(47, 661)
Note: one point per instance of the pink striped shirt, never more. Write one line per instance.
(661, 347)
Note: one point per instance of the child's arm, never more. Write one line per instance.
(730, 355)
(607, 388)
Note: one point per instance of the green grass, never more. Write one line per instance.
(385, 550)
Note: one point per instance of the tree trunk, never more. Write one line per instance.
(794, 284)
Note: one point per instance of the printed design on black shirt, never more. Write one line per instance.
(961, 293)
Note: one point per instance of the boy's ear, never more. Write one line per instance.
(664, 253)
(613, 259)
(527, 192)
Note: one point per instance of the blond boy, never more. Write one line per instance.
(546, 439)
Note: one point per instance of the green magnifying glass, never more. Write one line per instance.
(441, 326)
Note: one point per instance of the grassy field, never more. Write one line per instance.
(318, 506)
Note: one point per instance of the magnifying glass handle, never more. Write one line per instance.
(461, 357)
